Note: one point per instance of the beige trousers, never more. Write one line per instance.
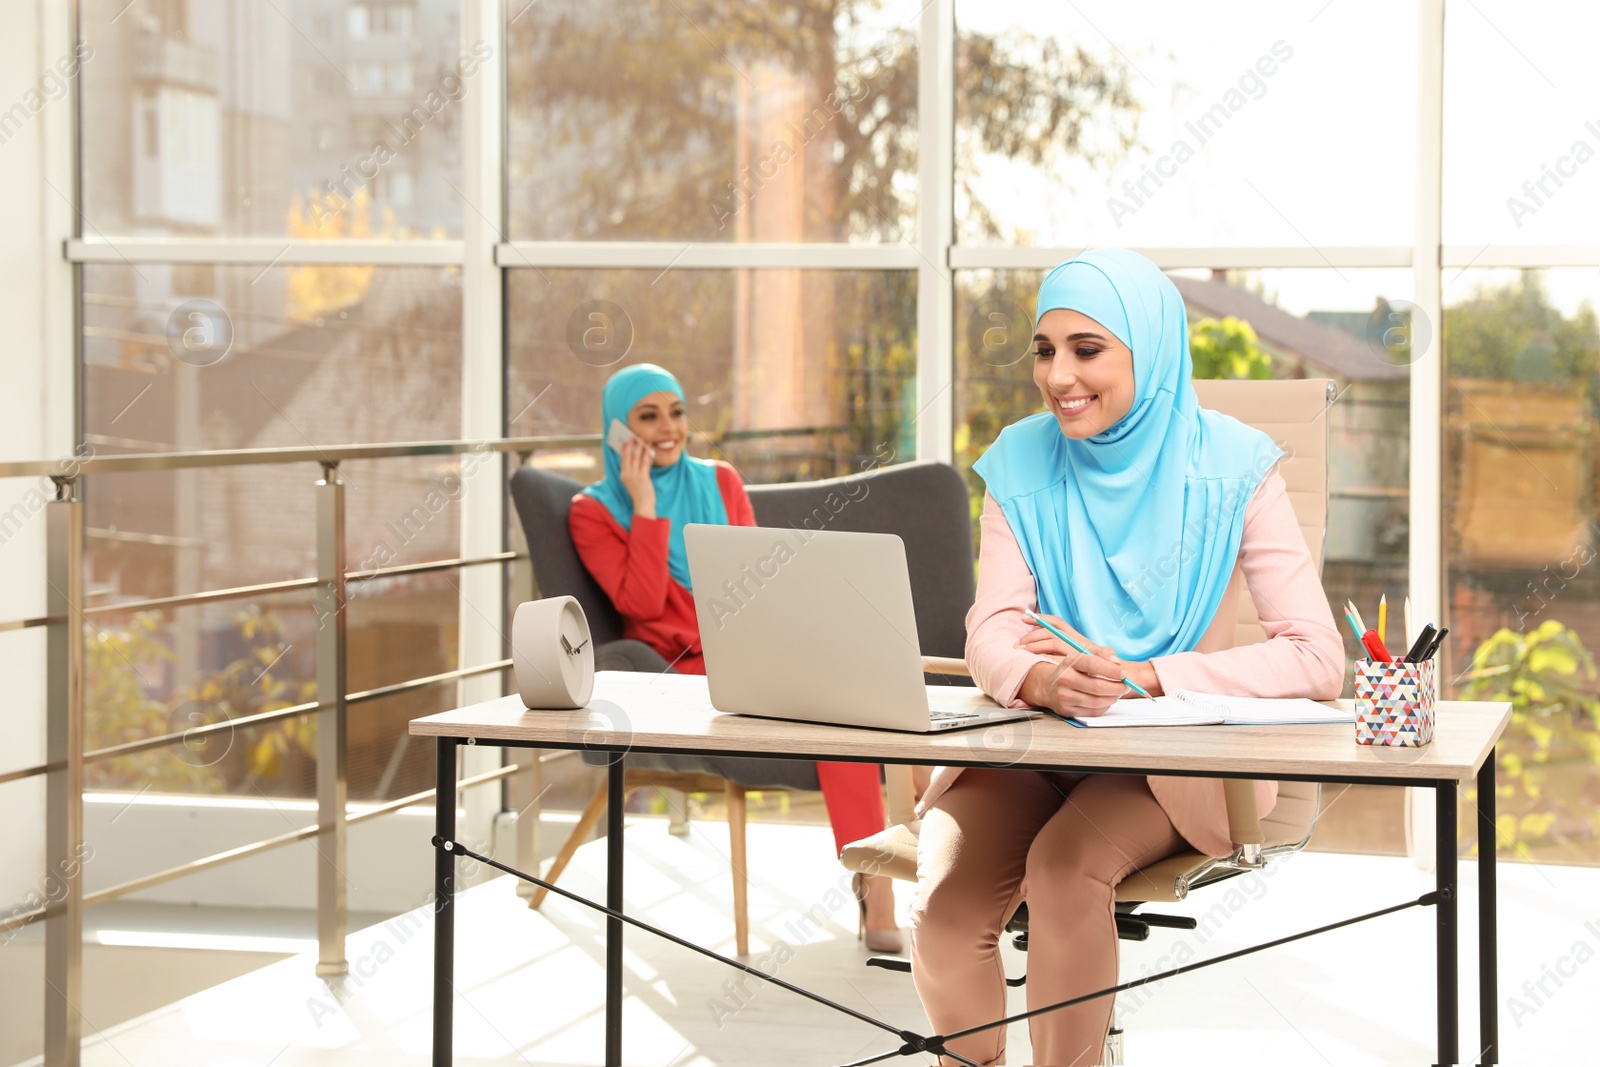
(996, 837)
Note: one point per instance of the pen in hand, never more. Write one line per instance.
(1129, 682)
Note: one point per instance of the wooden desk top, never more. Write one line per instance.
(673, 713)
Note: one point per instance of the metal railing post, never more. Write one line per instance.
(64, 845)
(525, 789)
(332, 785)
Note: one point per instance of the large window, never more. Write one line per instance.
(706, 120)
(1522, 492)
(244, 118)
(1522, 147)
(1177, 124)
(837, 254)
(795, 374)
(185, 357)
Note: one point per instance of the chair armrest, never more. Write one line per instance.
(1244, 821)
(945, 665)
(892, 852)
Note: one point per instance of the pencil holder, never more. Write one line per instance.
(1394, 703)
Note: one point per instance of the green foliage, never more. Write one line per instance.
(118, 664)
(994, 389)
(1515, 332)
(1227, 348)
(123, 663)
(653, 144)
(1548, 761)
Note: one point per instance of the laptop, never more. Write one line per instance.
(818, 626)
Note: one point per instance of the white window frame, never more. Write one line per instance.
(486, 255)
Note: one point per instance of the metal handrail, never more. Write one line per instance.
(288, 585)
(144, 744)
(73, 466)
(66, 756)
(254, 848)
(210, 596)
(423, 683)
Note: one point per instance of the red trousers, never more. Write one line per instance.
(854, 799)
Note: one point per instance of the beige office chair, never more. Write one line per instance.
(1292, 413)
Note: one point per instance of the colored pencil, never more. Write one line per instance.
(1129, 682)
(1349, 605)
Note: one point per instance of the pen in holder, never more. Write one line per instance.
(1394, 703)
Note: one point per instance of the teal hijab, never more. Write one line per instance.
(1132, 534)
(685, 492)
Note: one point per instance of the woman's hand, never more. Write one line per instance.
(1081, 689)
(637, 461)
(1042, 642)
(1080, 685)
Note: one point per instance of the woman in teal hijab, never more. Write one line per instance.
(679, 485)
(1120, 513)
(628, 531)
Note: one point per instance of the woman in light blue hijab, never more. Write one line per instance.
(1119, 514)
(1147, 487)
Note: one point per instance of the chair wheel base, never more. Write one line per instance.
(890, 963)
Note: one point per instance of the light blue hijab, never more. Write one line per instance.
(685, 492)
(1132, 534)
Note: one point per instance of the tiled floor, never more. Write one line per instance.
(529, 985)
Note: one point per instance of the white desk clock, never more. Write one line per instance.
(552, 654)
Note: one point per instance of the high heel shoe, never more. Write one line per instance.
(888, 941)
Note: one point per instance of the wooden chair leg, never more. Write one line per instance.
(677, 812)
(591, 815)
(741, 887)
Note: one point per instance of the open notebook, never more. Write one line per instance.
(1183, 708)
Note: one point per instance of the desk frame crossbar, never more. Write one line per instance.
(1444, 897)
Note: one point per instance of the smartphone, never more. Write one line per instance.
(618, 435)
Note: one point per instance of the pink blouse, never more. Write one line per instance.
(1302, 656)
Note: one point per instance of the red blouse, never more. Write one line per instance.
(631, 566)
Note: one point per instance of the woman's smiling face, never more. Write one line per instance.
(1083, 372)
(660, 421)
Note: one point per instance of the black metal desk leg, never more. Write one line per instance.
(1488, 919)
(614, 801)
(444, 910)
(1444, 843)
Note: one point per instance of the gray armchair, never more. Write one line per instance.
(925, 503)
